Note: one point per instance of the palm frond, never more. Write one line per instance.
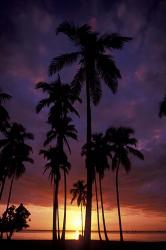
(125, 161)
(42, 104)
(64, 60)
(108, 71)
(43, 85)
(76, 34)
(4, 97)
(135, 152)
(78, 81)
(162, 111)
(113, 40)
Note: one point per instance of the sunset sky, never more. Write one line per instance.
(28, 43)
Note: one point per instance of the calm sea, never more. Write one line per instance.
(128, 236)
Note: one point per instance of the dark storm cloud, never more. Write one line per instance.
(27, 44)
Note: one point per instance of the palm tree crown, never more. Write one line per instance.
(79, 192)
(94, 62)
(15, 150)
(55, 161)
(61, 98)
(122, 144)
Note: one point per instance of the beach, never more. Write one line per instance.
(78, 245)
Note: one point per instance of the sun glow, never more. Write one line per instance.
(77, 235)
(76, 222)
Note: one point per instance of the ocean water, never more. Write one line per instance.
(128, 236)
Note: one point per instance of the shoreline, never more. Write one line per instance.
(77, 245)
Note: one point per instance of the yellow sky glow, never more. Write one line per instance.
(133, 219)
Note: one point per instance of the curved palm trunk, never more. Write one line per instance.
(88, 167)
(82, 221)
(54, 229)
(8, 202)
(97, 210)
(2, 187)
(102, 208)
(65, 199)
(10, 193)
(118, 203)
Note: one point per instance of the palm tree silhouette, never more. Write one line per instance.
(94, 65)
(64, 129)
(100, 153)
(122, 145)
(162, 111)
(4, 116)
(61, 98)
(56, 160)
(79, 192)
(4, 123)
(16, 151)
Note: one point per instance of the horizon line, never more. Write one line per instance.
(96, 231)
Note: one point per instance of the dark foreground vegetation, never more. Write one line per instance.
(76, 244)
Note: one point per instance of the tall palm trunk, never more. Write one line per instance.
(7, 206)
(60, 145)
(102, 208)
(82, 221)
(2, 187)
(10, 193)
(88, 167)
(54, 229)
(65, 198)
(97, 210)
(118, 202)
(57, 211)
(8, 202)
(58, 222)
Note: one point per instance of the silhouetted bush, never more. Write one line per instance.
(14, 220)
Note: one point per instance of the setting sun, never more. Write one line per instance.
(76, 222)
(77, 235)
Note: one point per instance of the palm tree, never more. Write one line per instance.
(55, 160)
(162, 111)
(122, 145)
(100, 153)
(15, 152)
(60, 99)
(4, 116)
(4, 123)
(79, 192)
(94, 65)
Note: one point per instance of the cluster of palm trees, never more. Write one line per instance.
(111, 149)
(102, 151)
(60, 99)
(14, 151)
(95, 64)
